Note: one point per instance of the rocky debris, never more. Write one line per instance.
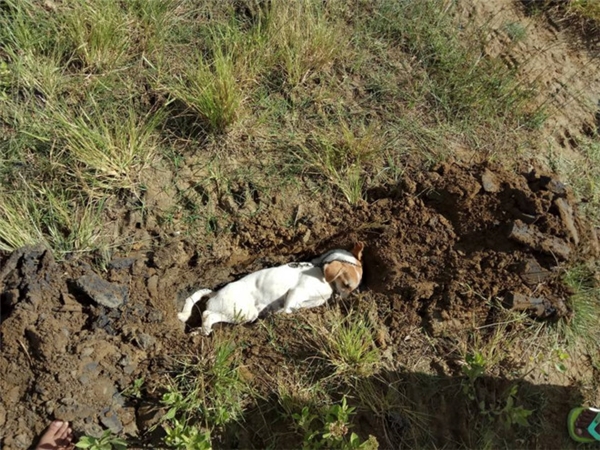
(565, 210)
(539, 306)
(145, 341)
(532, 273)
(553, 185)
(489, 182)
(536, 240)
(102, 292)
(121, 263)
(111, 421)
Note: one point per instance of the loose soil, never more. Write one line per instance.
(438, 260)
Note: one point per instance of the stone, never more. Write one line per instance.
(111, 421)
(553, 185)
(101, 291)
(541, 307)
(536, 240)
(532, 273)
(93, 430)
(121, 263)
(155, 316)
(145, 341)
(566, 214)
(153, 286)
(489, 182)
(2, 415)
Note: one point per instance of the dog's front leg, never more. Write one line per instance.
(190, 302)
(293, 301)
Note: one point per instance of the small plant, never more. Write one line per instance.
(474, 368)
(208, 391)
(98, 32)
(105, 442)
(135, 390)
(341, 155)
(332, 430)
(509, 414)
(186, 436)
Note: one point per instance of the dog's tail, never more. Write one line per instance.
(190, 302)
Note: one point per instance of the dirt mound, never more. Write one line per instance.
(443, 247)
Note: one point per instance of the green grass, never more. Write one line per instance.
(348, 345)
(460, 84)
(210, 89)
(204, 394)
(95, 92)
(585, 304)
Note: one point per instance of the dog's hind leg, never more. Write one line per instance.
(190, 302)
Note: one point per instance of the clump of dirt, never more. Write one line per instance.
(441, 250)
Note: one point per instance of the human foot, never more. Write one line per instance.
(58, 436)
(584, 424)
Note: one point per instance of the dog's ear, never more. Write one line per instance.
(358, 250)
(332, 270)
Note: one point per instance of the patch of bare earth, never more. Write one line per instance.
(446, 249)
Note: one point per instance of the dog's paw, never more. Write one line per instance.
(183, 317)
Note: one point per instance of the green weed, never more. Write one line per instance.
(207, 391)
(186, 436)
(302, 40)
(330, 428)
(111, 149)
(105, 442)
(341, 157)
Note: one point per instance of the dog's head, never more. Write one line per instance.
(343, 269)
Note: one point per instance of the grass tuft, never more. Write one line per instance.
(112, 149)
(341, 155)
(98, 32)
(585, 304)
(211, 90)
(348, 345)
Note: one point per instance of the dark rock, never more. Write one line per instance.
(536, 240)
(121, 263)
(539, 306)
(566, 214)
(532, 273)
(111, 421)
(101, 291)
(155, 316)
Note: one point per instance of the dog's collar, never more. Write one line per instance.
(336, 255)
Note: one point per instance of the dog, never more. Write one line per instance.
(284, 288)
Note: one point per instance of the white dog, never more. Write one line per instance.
(283, 288)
